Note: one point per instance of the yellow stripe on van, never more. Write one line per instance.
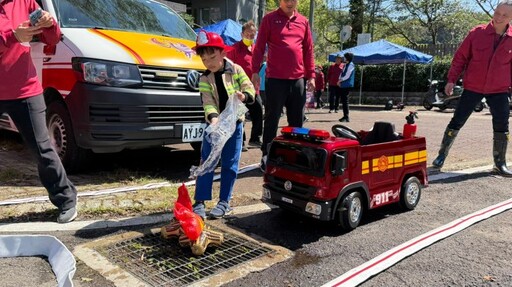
(136, 58)
(153, 50)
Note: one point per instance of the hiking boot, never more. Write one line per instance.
(66, 216)
(221, 209)
(200, 209)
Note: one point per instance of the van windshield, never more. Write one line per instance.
(143, 16)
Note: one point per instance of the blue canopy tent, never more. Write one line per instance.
(384, 52)
(229, 30)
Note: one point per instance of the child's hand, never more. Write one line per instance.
(241, 96)
(214, 121)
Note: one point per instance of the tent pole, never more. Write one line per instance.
(361, 85)
(403, 83)
(431, 65)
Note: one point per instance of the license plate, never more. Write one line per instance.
(285, 199)
(193, 132)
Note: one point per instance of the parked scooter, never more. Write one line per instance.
(435, 97)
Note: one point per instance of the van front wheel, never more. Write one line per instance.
(62, 138)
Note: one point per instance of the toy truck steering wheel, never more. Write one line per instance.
(345, 132)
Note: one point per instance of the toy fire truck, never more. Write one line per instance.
(338, 177)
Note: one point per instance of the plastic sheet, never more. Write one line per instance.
(217, 135)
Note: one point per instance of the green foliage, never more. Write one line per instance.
(189, 19)
(388, 78)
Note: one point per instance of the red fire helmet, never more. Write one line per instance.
(210, 39)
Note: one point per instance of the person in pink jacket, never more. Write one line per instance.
(21, 96)
(485, 58)
(290, 68)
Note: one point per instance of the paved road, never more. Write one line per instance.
(477, 256)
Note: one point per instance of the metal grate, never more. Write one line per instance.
(163, 262)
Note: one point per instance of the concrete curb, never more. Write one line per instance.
(153, 219)
(114, 223)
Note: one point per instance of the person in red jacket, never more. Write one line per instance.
(21, 96)
(319, 86)
(333, 74)
(485, 58)
(242, 55)
(290, 68)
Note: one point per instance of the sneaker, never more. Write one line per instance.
(344, 120)
(199, 209)
(263, 163)
(331, 111)
(306, 119)
(221, 209)
(66, 216)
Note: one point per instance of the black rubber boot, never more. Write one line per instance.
(499, 153)
(446, 144)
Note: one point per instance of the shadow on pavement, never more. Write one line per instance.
(292, 231)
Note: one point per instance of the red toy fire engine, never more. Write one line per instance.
(338, 177)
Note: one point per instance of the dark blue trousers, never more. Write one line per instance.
(498, 104)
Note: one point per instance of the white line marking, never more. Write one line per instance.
(389, 258)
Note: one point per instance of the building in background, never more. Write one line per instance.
(207, 12)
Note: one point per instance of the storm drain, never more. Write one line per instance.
(163, 262)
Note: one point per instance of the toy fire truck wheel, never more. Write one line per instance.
(350, 211)
(410, 193)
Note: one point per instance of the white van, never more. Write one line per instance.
(123, 76)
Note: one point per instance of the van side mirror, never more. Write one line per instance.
(339, 163)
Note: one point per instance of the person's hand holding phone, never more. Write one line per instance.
(41, 19)
(24, 32)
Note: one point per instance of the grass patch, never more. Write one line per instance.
(11, 175)
(10, 141)
(142, 202)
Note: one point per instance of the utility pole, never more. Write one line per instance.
(311, 10)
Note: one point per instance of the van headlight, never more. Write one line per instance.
(107, 73)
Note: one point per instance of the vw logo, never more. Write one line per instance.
(193, 79)
(288, 185)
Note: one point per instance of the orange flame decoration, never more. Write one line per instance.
(191, 223)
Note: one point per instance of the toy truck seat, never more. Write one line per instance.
(380, 133)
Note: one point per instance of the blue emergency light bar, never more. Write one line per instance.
(305, 133)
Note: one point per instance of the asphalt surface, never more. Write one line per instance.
(477, 256)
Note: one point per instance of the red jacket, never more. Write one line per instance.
(486, 70)
(18, 76)
(242, 56)
(290, 46)
(320, 81)
(333, 74)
